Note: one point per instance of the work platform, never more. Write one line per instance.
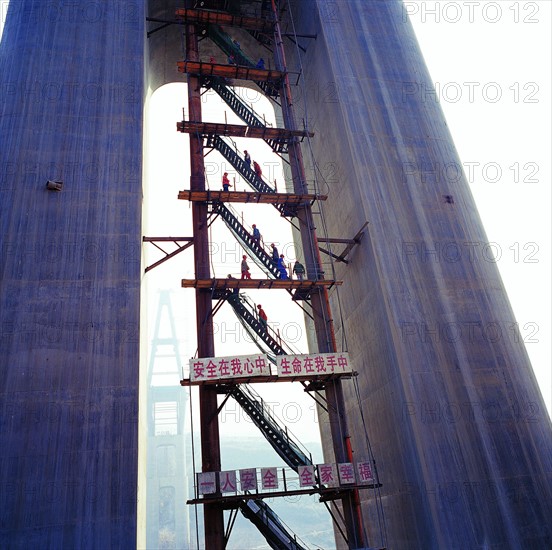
(326, 494)
(238, 72)
(239, 130)
(190, 15)
(318, 378)
(250, 197)
(229, 284)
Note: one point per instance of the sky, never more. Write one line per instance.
(491, 63)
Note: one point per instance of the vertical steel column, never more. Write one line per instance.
(323, 322)
(210, 441)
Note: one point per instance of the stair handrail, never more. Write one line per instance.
(251, 308)
(230, 89)
(249, 229)
(290, 349)
(241, 163)
(238, 304)
(270, 521)
(238, 153)
(256, 338)
(248, 243)
(275, 420)
(231, 48)
(288, 449)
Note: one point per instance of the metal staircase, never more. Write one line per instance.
(257, 511)
(246, 113)
(246, 311)
(225, 43)
(278, 437)
(262, 258)
(239, 164)
(234, 101)
(274, 84)
(257, 183)
(269, 524)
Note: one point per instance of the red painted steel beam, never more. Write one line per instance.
(286, 284)
(191, 15)
(239, 72)
(239, 130)
(249, 197)
(210, 438)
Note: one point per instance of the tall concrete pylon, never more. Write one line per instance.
(451, 404)
(71, 76)
(455, 417)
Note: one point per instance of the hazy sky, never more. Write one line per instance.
(490, 62)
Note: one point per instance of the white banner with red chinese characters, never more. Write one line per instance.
(251, 480)
(315, 364)
(227, 368)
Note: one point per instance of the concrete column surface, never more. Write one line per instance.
(458, 427)
(71, 100)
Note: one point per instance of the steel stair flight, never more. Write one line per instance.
(248, 115)
(257, 183)
(261, 257)
(269, 524)
(245, 310)
(280, 440)
(239, 164)
(225, 43)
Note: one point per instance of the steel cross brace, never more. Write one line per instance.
(349, 242)
(168, 255)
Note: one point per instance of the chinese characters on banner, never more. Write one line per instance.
(219, 368)
(346, 473)
(306, 476)
(365, 472)
(206, 482)
(329, 475)
(248, 479)
(269, 477)
(316, 364)
(227, 482)
(240, 366)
